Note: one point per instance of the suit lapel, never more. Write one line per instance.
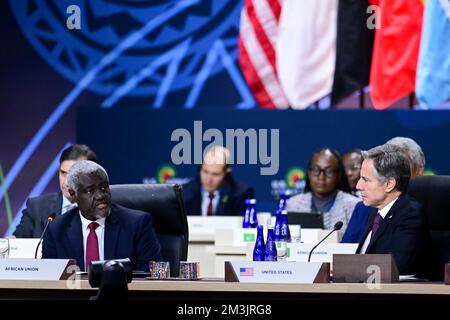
(54, 206)
(198, 203)
(380, 230)
(75, 238)
(224, 196)
(112, 230)
(57, 204)
(367, 229)
(387, 219)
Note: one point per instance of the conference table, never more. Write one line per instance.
(217, 289)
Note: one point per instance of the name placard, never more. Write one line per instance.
(277, 272)
(358, 268)
(24, 248)
(238, 237)
(36, 269)
(208, 225)
(323, 253)
(315, 235)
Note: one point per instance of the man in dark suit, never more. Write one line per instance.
(397, 224)
(34, 216)
(215, 191)
(414, 154)
(98, 229)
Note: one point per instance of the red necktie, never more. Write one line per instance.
(92, 245)
(210, 204)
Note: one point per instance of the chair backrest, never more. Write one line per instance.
(433, 192)
(166, 205)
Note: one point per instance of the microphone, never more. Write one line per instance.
(50, 218)
(337, 226)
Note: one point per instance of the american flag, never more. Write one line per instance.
(287, 50)
(246, 272)
(257, 57)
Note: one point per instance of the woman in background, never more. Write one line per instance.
(326, 190)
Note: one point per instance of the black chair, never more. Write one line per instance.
(166, 205)
(433, 192)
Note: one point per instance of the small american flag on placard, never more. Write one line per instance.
(246, 272)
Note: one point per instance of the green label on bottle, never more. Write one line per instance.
(249, 237)
(288, 252)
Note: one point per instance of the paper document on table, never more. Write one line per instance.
(408, 277)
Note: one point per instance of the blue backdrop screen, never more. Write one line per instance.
(135, 146)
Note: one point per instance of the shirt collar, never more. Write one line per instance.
(383, 212)
(85, 222)
(206, 193)
(65, 202)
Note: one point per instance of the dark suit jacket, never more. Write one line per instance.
(357, 223)
(232, 197)
(34, 216)
(128, 234)
(403, 233)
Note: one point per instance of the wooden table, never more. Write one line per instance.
(217, 289)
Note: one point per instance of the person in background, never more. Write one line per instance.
(414, 152)
(98, 229)
(397, 223)
(352, 160)
(215, 191)
(326, 190)
(35, 215)
(416, 159)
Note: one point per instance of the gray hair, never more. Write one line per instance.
(82, 167)
(390, 162)
(412, 149)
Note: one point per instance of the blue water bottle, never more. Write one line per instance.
(250, 218)
(284, 196)
(270, 253)
(282, 232)
(282, 235)
(277, 231)
(259, 250)
(285, 226)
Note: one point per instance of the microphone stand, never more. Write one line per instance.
(49, 219)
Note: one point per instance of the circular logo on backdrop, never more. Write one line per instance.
(294, 175)
(429, 172)
(104, 26)
(165, 173)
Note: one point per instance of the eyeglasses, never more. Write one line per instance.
(329, 172)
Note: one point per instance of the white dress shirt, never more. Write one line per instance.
(383, 213)
(100, 231)
(67, 205)
(205, 201)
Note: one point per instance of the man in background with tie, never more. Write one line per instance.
(99, 229)
(35, 215)
(215, 191)
(397, 224)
